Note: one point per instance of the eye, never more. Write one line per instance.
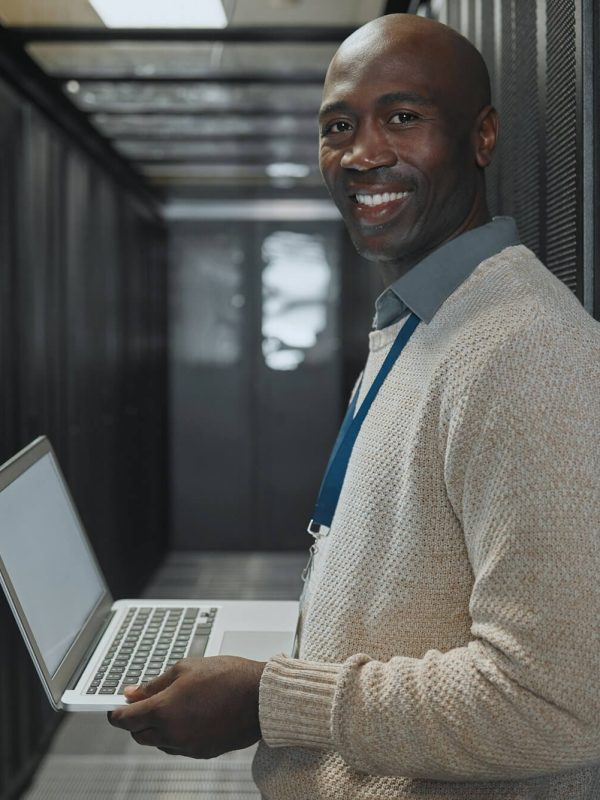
(339, 126)
(402, 118)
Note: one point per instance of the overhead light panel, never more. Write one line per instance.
(161, 13)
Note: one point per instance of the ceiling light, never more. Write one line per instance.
(160, 13)
(285, 170)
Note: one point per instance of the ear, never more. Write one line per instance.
(486, 130)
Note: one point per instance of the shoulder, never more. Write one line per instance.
(514, 330)
(512, 301)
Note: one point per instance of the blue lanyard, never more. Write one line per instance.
(338, 462)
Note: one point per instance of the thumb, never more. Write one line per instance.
(144, 690)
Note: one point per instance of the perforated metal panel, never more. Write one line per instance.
(533, 50)
(527, 126)
(519, 157)
(491, 53)
(562, 142)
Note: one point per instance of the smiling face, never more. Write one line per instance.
(401, 149)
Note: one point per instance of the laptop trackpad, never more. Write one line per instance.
(257, 645)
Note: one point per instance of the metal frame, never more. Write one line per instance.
(596, 165)
(542, 92)
(242, 78)
(199, 161)
(246, 138)
(259, 34)
(589, 63)
(254, 111)
(583, 167)
(398, 7)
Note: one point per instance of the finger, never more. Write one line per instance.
(136, 717)
(145, 690)
(171, 751)
(134, 692)
(148, 736)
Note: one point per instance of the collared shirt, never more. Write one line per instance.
(425, 286)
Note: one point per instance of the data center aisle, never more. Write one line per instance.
(89, 760)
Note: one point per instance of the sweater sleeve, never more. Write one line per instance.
(522, 698)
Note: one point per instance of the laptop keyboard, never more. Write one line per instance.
(149, 641)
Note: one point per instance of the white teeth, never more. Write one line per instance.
(379, 199)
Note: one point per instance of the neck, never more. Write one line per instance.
(390, 271)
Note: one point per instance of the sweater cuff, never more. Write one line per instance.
(295, 703)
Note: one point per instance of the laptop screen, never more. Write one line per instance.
(47, 557)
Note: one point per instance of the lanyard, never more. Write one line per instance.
(335, 472)
(342, 450)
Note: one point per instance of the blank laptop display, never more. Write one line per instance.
(48, 561)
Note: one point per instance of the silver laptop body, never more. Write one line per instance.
(85, 646)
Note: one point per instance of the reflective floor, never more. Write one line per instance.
(90, 760)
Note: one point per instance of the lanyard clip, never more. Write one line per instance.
(317, 530)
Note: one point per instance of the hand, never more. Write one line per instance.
(201, 707)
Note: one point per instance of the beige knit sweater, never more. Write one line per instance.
(451, 645)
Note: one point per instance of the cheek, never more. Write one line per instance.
(421, 162)
(431, 151)
(444, 178)
(327, 162)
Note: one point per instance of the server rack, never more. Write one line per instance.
(83, 360)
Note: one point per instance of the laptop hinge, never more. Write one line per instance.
(90, 651)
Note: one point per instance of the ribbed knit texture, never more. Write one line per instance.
(451, 642)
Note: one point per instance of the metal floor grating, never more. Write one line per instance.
(129, 777)
(89, 760)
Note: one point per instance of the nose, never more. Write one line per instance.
(368, 149)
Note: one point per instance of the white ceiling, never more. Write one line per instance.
(241, 12)
(207, 130)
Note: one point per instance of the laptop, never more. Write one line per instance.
(85, 646)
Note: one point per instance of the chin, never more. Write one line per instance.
(384, 252)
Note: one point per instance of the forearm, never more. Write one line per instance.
(452, 716)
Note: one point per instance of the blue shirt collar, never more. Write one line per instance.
(429, 283)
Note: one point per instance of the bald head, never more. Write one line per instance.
(457, 69)
(406, 130)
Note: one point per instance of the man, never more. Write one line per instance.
(450, 638)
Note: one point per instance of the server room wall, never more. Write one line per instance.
(82, 359)
(543, 60)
